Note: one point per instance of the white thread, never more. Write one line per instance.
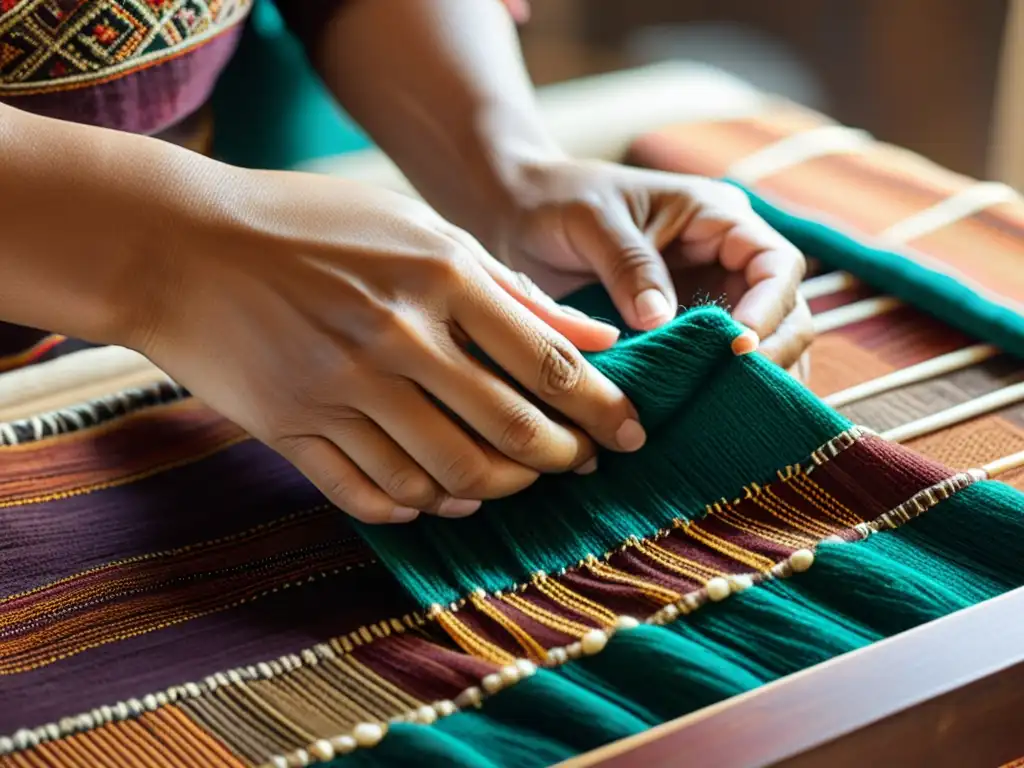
(798, 148)
(961, 205)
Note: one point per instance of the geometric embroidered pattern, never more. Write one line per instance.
(53, 45)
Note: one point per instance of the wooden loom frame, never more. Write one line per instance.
(948, 693)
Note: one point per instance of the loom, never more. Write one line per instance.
(173, 594)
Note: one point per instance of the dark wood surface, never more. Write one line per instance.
(917, 73)
(949, 693)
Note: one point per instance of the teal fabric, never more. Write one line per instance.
(271, 110)
(967, 549)
(936, 293)
(686, 384)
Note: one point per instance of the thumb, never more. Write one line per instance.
(585, 333)
(629, 265)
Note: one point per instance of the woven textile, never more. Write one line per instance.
(172, 593)
(144, 621)
(869, 192)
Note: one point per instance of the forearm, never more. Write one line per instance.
(441, 87)
(86, 217)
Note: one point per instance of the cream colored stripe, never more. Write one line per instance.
(963, 204)
(854, 313)
(929, 369)
(826, 285)
(1005, 464)
(979, 406)
(798, 148)
(72, 380)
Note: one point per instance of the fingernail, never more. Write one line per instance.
(631, 436)
(404, 514)
(745, 343)
(652, 308)
(458, 507)
(588, 467)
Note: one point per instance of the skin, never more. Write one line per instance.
(330, 320)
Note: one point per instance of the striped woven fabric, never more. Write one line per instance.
(878, 193)
(174, 594)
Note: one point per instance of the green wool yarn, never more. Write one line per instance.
(715, 423)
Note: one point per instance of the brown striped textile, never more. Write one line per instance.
(863, 193)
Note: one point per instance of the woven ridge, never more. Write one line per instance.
(501, 638)
(90, 413)
(685, 383)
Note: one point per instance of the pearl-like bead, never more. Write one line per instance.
(593, 642)
(492, 683)
(470, 697)
(558, 655)
(342, 745)
(574, 650)
(740, 582)
(368, 734)
(322, 749)
(510, 674)
(626, 622)
(6, 745)
(426, 715)
(278, 761)
(526, 668)
(445, 708)
(718, 589)
(670, 613)
(801, 560)
(298, 759)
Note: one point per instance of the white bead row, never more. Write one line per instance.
(132, 708)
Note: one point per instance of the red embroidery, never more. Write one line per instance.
(104, 33)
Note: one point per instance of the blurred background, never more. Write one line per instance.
(935, 76)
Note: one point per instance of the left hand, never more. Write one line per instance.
(572, 220)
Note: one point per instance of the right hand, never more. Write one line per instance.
(331, 320)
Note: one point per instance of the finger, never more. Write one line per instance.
(744, 242)
(585, 332)
(546, 364)
(341, 481)
(774, 279)
(791, 339)
(501, 416)
(626, 261)
(460, 465)
(393, 470)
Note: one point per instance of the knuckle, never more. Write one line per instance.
(466, 477)
(633, 266)
(729, 196)
(410, 487)
(562, 368)
(445, 264)
(345, 494)
(383, 327)
(523, 431)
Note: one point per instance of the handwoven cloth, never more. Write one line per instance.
(177, 595)
(868, 191)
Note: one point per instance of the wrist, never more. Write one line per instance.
(507, 153)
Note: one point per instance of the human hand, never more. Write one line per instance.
(635, 229)
(331, 321)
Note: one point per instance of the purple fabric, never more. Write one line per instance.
(148, 101)
(232, 491)
(260, 631)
